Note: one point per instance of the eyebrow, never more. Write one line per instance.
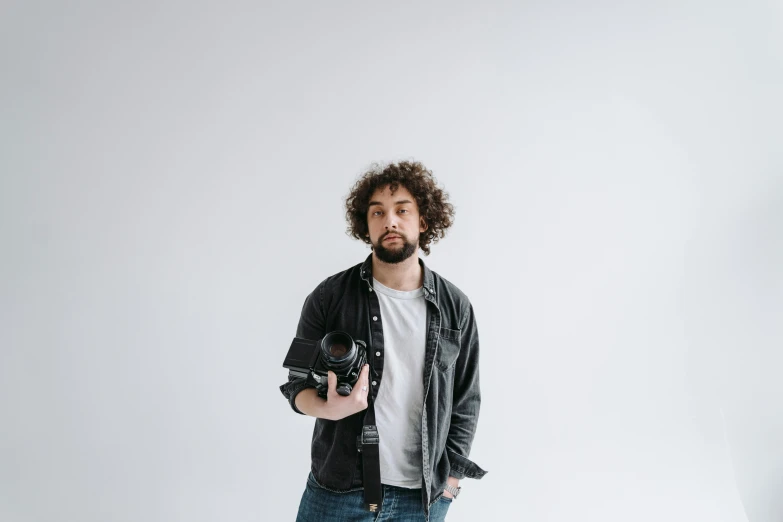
(400, 202)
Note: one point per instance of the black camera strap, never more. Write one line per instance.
(367, 443)
(368, 440)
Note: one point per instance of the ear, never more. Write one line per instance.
(423, 225)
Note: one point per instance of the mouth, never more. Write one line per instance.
(391, 238)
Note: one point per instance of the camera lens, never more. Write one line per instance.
(339, 351)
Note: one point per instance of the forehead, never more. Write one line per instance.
(385, 196)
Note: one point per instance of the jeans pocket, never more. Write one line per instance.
(312, 482)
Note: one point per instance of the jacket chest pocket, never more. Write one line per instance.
(448, 348)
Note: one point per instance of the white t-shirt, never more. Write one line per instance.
(398, 407)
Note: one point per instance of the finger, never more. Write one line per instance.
(331, 380)
(364, 378)
(360, 386)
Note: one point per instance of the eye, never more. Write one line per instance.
(377, 212)
(403, 210)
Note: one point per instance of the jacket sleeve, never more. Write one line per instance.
(466, 402)
(312, 324)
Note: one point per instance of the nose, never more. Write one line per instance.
(391, 222)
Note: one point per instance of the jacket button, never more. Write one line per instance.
(374, 318)
(378, 354)
(374, 383)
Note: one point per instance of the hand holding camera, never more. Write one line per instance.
(336, 366)
(338, 406)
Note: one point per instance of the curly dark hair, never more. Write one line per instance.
(432, 201)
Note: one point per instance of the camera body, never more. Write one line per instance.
(336, 351)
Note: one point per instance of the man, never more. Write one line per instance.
(421, 382)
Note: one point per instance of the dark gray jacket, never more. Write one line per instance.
(346, 301)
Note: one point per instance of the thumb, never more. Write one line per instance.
(331, 380)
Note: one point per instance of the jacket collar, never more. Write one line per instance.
(429, 278)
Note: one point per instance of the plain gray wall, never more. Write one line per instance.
(172, 184)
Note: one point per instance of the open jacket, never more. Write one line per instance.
(347, 302)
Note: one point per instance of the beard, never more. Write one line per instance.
(398, 254)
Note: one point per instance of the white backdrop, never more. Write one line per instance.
(172, 184)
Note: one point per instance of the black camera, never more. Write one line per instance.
(337, 351)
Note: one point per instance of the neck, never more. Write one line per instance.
(405, 276)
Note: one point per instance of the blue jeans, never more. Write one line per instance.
(399, 505)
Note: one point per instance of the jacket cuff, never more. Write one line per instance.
(291, 389)
(463, 467)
